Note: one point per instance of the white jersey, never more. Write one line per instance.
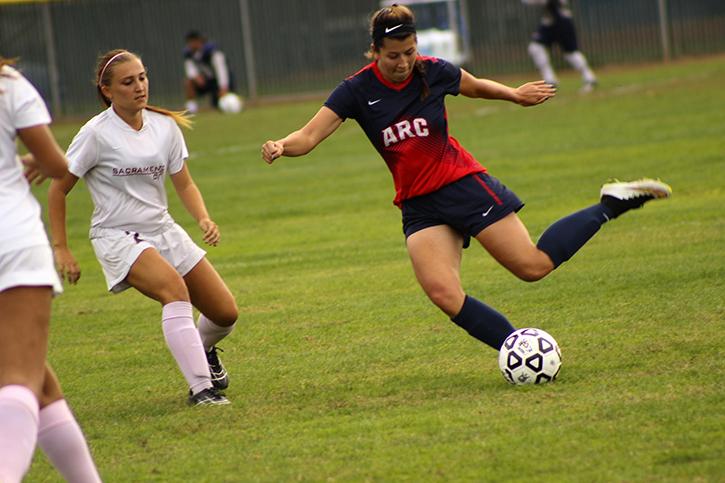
(20, 106)
(125, 169)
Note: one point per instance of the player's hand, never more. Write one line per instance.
(533, 93)
(66, 264)
(31, 170)
(211, 231)
(272, 150)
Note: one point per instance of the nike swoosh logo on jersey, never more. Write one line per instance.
(388, 30)
(485, 213)
(370, 103)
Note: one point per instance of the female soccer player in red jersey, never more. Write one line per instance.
(445, 195)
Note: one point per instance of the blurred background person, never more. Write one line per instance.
(557, 27)
(206, 71)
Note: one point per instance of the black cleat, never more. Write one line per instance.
(622, 196)
(219, 376)
(208, 397)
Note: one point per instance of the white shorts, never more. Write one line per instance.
(29, 267)
(117, 250)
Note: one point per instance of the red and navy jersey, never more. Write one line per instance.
(410, 133)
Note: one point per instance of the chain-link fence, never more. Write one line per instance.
(290, 47)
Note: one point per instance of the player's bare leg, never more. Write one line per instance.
(24, 320)
(508, 241)
(218, 314)
(60, 437)
(152, 275)
(436, 256)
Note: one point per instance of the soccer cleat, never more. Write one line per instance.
(208, 397)
(219, 376)
(588, 87)
(622, 196)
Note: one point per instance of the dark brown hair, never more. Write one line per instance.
(394, 15)
(104, 74)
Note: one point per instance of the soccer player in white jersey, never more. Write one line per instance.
(32, 407)
(557, 27)
(124, 154)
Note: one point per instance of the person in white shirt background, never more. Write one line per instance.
(206, 71)
(33, 409)
(557, 27)
(124, 154)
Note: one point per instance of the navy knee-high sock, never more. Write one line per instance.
(483, 322)
(565, 237)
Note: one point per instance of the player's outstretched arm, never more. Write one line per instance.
(190, 196)
(529, 94)
(304, 140)
(65, 262)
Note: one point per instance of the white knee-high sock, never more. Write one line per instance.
(18, 431)
(212, 333)
(540, 56)
(62, 441)
(579, 62)
(184, 341)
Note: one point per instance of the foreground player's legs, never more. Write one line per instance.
(218, 314)
(60, 437)
(509, 242)
(152, 275)
(436, 256)
(24, 320)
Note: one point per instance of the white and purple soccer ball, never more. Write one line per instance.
(529, 356)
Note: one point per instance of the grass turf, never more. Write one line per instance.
(341, 370)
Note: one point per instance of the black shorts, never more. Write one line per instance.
(560, 32)
(468, 206)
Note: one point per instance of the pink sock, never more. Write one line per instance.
(212, 333)
(18, 431)
(184, 341)
(63, 443)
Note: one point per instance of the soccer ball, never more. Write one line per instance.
(230, 103)
(529, 356)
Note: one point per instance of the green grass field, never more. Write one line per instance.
(343, 371)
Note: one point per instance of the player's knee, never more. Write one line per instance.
(533, 271)
(23, 378)
(228, 315)
(173, 291)
(447, 298)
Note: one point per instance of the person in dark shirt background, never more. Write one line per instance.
(206, 70)
(557, 27)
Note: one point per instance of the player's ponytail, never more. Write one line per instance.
(419, 69)
(104, 73)
(402, 19)
(181, 117)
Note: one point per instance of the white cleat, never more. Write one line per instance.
(621, 196)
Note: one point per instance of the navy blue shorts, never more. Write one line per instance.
(468, 206)
(561, 32)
